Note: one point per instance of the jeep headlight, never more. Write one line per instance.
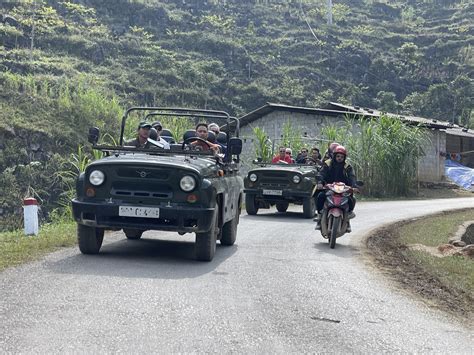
(96, 177)
(187, 183)
(253, 177)
(296, 179)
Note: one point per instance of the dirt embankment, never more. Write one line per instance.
(394, 260)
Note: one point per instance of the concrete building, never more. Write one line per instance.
(444, 137)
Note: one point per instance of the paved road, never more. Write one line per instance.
(279, 289)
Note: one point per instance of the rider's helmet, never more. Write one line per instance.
(340, 150)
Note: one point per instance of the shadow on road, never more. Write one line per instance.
(144, 258)
(287, 217)
(341, 250)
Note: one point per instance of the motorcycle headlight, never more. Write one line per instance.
(96, 177)
(187, 183)
(253, 177)
(296, 179)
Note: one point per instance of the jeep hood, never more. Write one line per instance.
(197, 164)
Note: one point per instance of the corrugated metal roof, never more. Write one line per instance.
(461, 132)
(270, 107)
(433, 123)
(337, 109)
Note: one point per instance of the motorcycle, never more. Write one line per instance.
(334, 219)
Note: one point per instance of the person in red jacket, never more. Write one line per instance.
(282, 157)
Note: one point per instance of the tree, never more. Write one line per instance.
(386, 102)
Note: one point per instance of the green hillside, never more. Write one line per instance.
(66, 65)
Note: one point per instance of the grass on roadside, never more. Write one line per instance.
(454, 271)
(436, 230)
(16, 248)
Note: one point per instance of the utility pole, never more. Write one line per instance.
(329, 12)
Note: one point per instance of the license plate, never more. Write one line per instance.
(273, 192)
(143, 212)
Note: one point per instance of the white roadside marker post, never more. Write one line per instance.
(30, 214)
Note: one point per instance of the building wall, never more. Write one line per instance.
(431, 167)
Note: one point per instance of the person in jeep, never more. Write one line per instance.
(143, 132)
(282, 157)
(202, 132)
(315, 157)
(337, 169)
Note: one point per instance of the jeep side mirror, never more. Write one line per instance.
(93, 136)
(235, 146)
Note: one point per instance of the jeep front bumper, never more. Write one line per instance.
(285, 194)
(171, 218)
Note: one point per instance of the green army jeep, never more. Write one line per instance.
(178, 189)
(280, 185)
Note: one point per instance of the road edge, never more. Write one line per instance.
(395, 266)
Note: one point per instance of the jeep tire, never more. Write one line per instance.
(205, 245)
(282, 206)
(229, 229)
(133, 234)
(250, 204)
(89, 239)
(309, 207)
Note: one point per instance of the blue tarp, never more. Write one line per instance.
(461, 175)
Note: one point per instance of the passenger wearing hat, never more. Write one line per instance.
(143, 132)
(161, 142)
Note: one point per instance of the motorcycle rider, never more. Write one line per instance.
(337, 169)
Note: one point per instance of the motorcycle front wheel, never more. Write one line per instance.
(335, 229)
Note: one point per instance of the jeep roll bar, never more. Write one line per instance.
(151, 114)
(180, 111)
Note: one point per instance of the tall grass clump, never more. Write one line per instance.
(262, 144)
(383, 151)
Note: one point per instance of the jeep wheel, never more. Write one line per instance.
(89, 239)
(250, 204)
(205, 245)
(282, 206)
(133, 233)
(309, 207)
(229, 230)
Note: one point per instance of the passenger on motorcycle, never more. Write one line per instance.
(328, 154)
(337, 169)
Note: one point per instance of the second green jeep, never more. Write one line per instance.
(280, 185)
